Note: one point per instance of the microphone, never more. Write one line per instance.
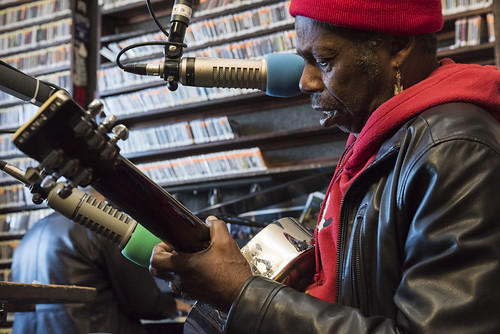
(135, 241)
(23, 86)
(278, 74)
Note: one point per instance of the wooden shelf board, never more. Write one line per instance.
(470, 54)
(23, 293)
(467, 13)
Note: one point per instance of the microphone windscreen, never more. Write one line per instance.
(283, 74)
(140, 246)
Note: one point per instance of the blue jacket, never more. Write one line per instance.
(58, 251)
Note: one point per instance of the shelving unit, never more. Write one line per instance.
(47, 39)
(458, 45)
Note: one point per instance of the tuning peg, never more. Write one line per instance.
(120, 132)
(94, 109)
(96, 139)
(82, 178)
(106, 125)
(53, 160)
(48, 182)
(86, 123)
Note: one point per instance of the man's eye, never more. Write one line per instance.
(323, 64)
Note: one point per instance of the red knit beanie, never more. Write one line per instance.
(404, 17)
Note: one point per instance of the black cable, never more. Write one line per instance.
(133, 46)
(153, 16)
(136, 45)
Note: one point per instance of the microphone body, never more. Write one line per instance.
(219, 72)
(278, 74)
(23, 86)
(135, 241)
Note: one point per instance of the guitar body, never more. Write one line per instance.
(282, 251)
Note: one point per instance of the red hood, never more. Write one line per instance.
(450, 82)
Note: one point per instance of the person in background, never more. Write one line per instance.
(408, 238)
(57, 250)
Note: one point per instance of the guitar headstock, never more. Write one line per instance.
(68, 142)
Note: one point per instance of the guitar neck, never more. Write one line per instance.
(63, 128)
(154, 208)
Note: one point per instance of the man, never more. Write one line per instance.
(408, 238)
(58, 251)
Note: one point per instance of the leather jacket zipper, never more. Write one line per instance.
(357, 272)
(356, 269)
(356, 276)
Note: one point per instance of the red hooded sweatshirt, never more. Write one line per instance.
(450, 82)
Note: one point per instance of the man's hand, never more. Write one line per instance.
(214, 275)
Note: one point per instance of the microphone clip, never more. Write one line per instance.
(179, 22)
(171, 72)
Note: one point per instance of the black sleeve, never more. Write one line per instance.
(135, 290)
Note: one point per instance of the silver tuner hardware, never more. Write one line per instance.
(98, 137)
(95, 140)
(106, 125)
(37, 198)
(82, 178)
(120, 132)
(86, 123)
(48, 182)
(82, 128)
(69, 168)
(53, 160)
(35, 175)
(94, 109)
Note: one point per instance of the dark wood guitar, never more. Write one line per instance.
(67, 142)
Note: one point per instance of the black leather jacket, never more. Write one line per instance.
(58, 251)
(420, 240)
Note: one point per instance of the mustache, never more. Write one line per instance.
(315, 99)
(317, 102)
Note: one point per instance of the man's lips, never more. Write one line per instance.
(327, 118)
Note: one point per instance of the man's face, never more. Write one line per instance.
(346, 82)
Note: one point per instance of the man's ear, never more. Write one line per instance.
(401, 47)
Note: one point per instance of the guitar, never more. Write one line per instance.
(68, 142)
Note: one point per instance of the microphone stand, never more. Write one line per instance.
(169, 71)
(179, 21)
